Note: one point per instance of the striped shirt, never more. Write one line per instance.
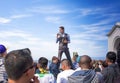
(3, 75)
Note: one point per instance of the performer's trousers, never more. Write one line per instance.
(67, 53)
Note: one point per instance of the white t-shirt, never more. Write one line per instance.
(78, 69)
(63, 76)
(47, 78)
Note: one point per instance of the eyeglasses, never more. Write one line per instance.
(33, 66)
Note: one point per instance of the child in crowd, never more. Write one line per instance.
(43, 75)
(54, 66)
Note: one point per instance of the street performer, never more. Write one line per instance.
(63, 39)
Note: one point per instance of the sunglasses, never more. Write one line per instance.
(33, 66)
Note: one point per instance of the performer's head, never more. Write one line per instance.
(61, 29)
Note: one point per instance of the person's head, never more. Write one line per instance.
(43, 62)
(19, 65)
(55, 59)
(61, 29)
(65, 64)
(96, 65)
(100, 62)
(85, 62)
(104, 64)
(110, 57)
(3, 50)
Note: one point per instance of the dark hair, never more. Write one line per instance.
(16, 62)
(43, 62)
(66, 62)
(104, 64)
(111, 56)
(54, 58)
(62, 27)
(86, 60)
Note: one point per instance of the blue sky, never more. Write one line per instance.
(34, 24)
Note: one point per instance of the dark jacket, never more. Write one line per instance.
(111, 73)
(54, 69)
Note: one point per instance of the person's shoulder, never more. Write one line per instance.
(78, 69)
(66, 34)
(67, 72)
(99, 76)
(45, 78)
(49, 75)
(105, 69)
(77, 72)
(71, 70)
(51, 64)
(61, 73)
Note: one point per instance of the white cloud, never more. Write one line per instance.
(47, 10)
(89, 36)
(98, 12)
(95, 31)
(17, 39)
(11, 18)
(4, 20)
(14, 33)
(20, 16)
(52, 19)
(85, 12)
(88, 11)
(88, 47)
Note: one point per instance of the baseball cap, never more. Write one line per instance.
(2, 48)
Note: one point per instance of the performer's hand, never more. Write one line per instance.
(65, 41)
(58, 36)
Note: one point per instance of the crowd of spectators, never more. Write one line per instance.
(18, 66)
